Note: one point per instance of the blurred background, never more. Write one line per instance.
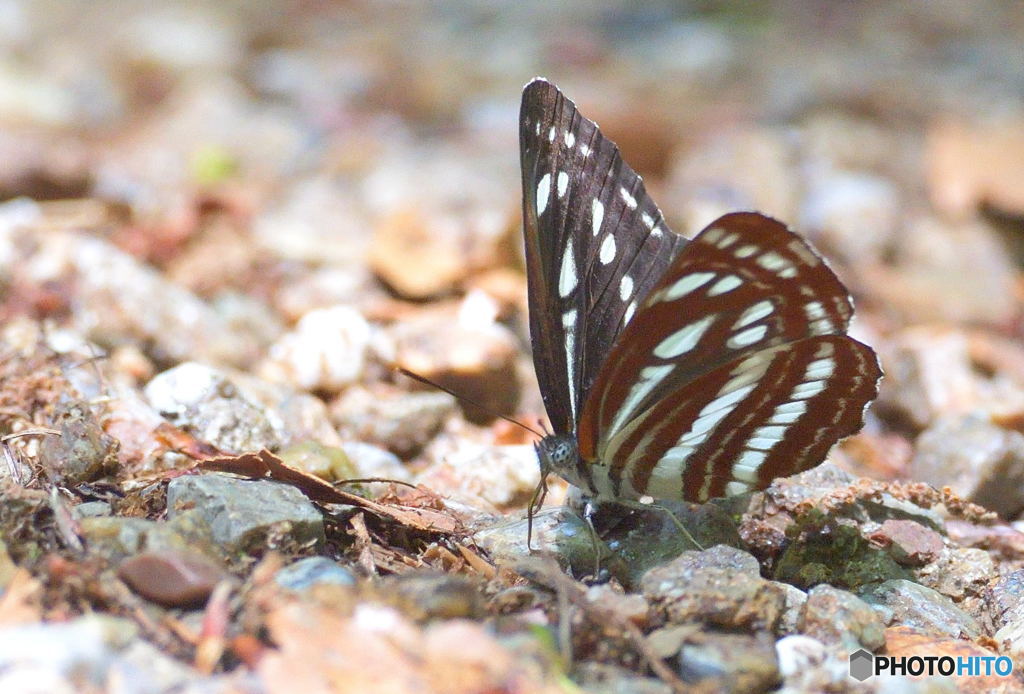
(199, 176)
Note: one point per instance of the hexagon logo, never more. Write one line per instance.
(862, 665)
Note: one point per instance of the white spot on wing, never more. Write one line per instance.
(625, 287)
(563, 183)
(727, 400)
(650, 376)
(754, 313)
(772, 261)
(747, 337)
(686, 284)
(630, 310)
(585, 148)
(543, 191)
(761, 444)
(627, 198)
(551, 134)
(607, 253)
(746, 466)
(728, 240)
(821, 324)
(570, 139)
(567, 275)
(684, 339)
(726, 284)
(791, 407)
(648, 220)
(569, 324)
(820, 368)
(771, 432)
(788, 412)
(712, 234)
(734, 488)
(596, 215)
(807, 390)
(748, 371)
(701, 426)
(745, 251)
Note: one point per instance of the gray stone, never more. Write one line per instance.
(928, 375)
(401, 422)
(119, 537)
(207, 403)
(854, 213)
(84, 451)
(240, 513)
(556, 531)
(720, 586)
(794, 606)
(81, 649)
(1005, 602)
(841, 620)
(649, 536)
(730, 662)
(149, 670)
(602, 678)
(99, 653)
(91, 509)
(311, 571)
(423, 596)
(958, 572)
(910, 604)
(1005, 599)
(374, 461)
(820, 481)
(116, 537)
(798, 653)
(980, 461)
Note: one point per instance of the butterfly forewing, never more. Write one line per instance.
(595, 245)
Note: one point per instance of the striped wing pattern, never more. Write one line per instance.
(725, 365)
(595, 244)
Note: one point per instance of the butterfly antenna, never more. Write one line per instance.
(426, 381)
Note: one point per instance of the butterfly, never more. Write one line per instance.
(671, 368)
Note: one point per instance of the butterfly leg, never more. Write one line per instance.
(679, 524)
(640, 506)
(589, 510)
(535, 502)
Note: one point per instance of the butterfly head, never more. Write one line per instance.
(559, 454)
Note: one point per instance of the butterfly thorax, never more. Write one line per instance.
(558, 453)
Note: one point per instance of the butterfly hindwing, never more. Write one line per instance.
(770, 414)
(747, 315)
(595, 245)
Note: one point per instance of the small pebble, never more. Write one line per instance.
(172, 579)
